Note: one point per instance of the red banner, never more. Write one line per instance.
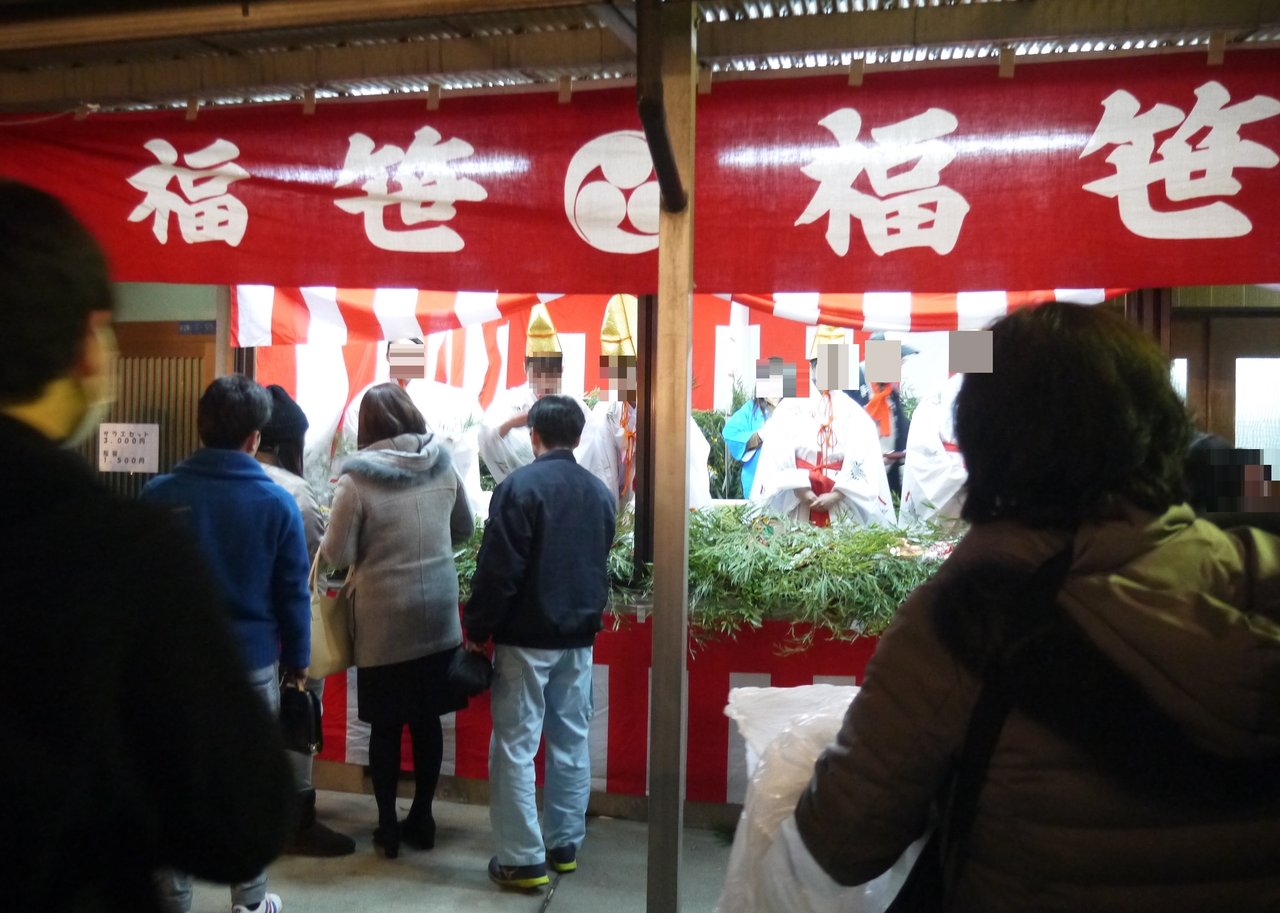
(1139, 172)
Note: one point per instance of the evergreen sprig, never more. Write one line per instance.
(746, 567)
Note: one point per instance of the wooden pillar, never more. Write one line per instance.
(668, 708)
(1152, 310)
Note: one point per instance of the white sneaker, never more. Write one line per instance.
(270, 904)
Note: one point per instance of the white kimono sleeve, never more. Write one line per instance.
(777, 476)
(934, 473)
(504, 454)
(699, 476)
(597, 452)
(862, 478)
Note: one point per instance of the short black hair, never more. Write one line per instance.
(1078, 416)
(558, 420)
(231, 409)
(385, 412)
(53, 276)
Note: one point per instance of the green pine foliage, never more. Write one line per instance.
(746, 567)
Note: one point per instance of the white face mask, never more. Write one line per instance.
(99, 391)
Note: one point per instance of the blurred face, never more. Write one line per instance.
(97, 377)
(618, 377)
(831, 370)
(775, 379)
(546, 374)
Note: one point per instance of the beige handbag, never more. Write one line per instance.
(331, 647)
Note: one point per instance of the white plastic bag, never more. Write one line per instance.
(785, 730)
(791, 881)
(770, 870)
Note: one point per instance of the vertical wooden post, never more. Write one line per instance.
(1152, 310)
(668, 709)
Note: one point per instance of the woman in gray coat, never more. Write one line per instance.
(398, 513)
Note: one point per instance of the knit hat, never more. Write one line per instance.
(287, 423)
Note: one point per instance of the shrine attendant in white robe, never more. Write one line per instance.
(503, 436)
(608, 445)
(934, 474)
(820, 459)
(608, 451)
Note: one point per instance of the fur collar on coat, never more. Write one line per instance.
(402, 461)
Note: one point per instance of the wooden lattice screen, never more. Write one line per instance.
(159, 391)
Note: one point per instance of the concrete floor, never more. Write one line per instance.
(453, 877)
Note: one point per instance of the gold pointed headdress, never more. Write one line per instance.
(540, 340)
(616, 333)
(825, 336)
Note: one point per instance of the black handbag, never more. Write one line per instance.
(942, 858)
(300, 720)
(469, 674)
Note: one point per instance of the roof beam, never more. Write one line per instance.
(213, 76)
(622, 22)
(238, 17)
(980, 23)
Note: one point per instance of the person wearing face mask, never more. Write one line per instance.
(132, 740)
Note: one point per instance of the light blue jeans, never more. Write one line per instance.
(537, 693)
(173, 886)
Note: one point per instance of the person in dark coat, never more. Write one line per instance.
(280, 454)
(539, 592)
(1139, 766)
(131, 738)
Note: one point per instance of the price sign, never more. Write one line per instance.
(128, 448)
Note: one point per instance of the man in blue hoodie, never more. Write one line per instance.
(250, 532)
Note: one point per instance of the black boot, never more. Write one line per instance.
(418, 831)
(313, 838)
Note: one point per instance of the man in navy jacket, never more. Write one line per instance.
(250, 531)
(539, 591)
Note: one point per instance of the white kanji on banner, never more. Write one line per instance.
(611, 196)
(1197, 161)
(429, 186)
(205, 210)
(911, 206)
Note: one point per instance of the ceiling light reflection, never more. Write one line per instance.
(1011, 144)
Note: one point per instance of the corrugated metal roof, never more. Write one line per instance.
(604, 30)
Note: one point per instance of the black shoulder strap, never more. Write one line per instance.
(986, 723)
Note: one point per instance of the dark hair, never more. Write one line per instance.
(284, 434)
(1078, 415)
(558, 421)
(386, 411)
(52, 277)
(1216, 473)
(231, 409)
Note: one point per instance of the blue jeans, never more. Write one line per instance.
(173, 886)
(537, 693)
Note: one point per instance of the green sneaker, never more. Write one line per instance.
(521, 877)
(563, 858)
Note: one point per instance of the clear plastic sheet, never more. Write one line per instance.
(770, 871)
